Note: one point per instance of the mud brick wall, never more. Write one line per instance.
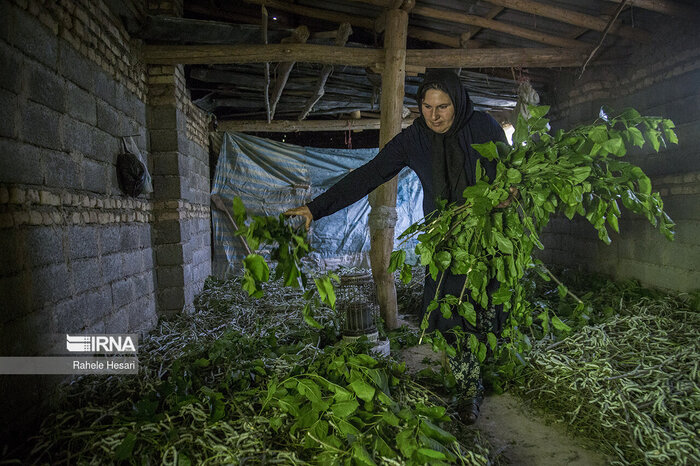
(181, 182)
(662, 78)
(80, 256)
(77, 255)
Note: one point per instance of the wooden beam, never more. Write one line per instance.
(357, 21)
(325, 35)
(411, 70)
(432, 36)
(266, 94)
(573, 17)
(288, 126)
(513, 30)
(362, 21)
(362, 57)
(606, 14)
(230, 54)
(383, 199)
(497, 58)
(493, 12)
(666, 7)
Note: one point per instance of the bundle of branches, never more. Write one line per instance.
(575, 172)
(631, 384)
(244, 380)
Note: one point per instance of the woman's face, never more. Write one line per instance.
(438, 111)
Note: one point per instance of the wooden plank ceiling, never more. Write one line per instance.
(324, 59)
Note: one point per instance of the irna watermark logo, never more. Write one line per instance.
(108, 344)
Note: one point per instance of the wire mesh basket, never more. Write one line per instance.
(357, 301)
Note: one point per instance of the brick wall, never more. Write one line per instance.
(663, 79)
(181, 182)
(81, 256)
(78, 256)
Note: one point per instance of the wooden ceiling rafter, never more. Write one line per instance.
(428, 12)
(605, 33)
(666, 7)
(482, 22)
(233, 91)
(477, 23)
(575, 18)
(361, 21)
(607, 12)
(499, 26)
(428, 35)
(474, 30)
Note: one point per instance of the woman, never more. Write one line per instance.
(437, 146)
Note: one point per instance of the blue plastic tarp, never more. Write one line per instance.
(271, 177)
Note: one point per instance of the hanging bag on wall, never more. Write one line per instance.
(132, 173)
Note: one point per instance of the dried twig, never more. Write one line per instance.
(605, 33)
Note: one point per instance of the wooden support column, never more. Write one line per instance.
(383, 199)
(267, 65)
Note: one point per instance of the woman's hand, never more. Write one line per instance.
(302, 211)
(513, 195)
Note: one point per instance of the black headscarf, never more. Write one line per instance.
(447, 154)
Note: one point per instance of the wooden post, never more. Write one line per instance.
(383, 199)
(267, 65)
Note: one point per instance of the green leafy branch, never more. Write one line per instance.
(287, 247)
(576, 172)
(347, 411)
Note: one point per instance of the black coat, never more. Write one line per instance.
(412, 148)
